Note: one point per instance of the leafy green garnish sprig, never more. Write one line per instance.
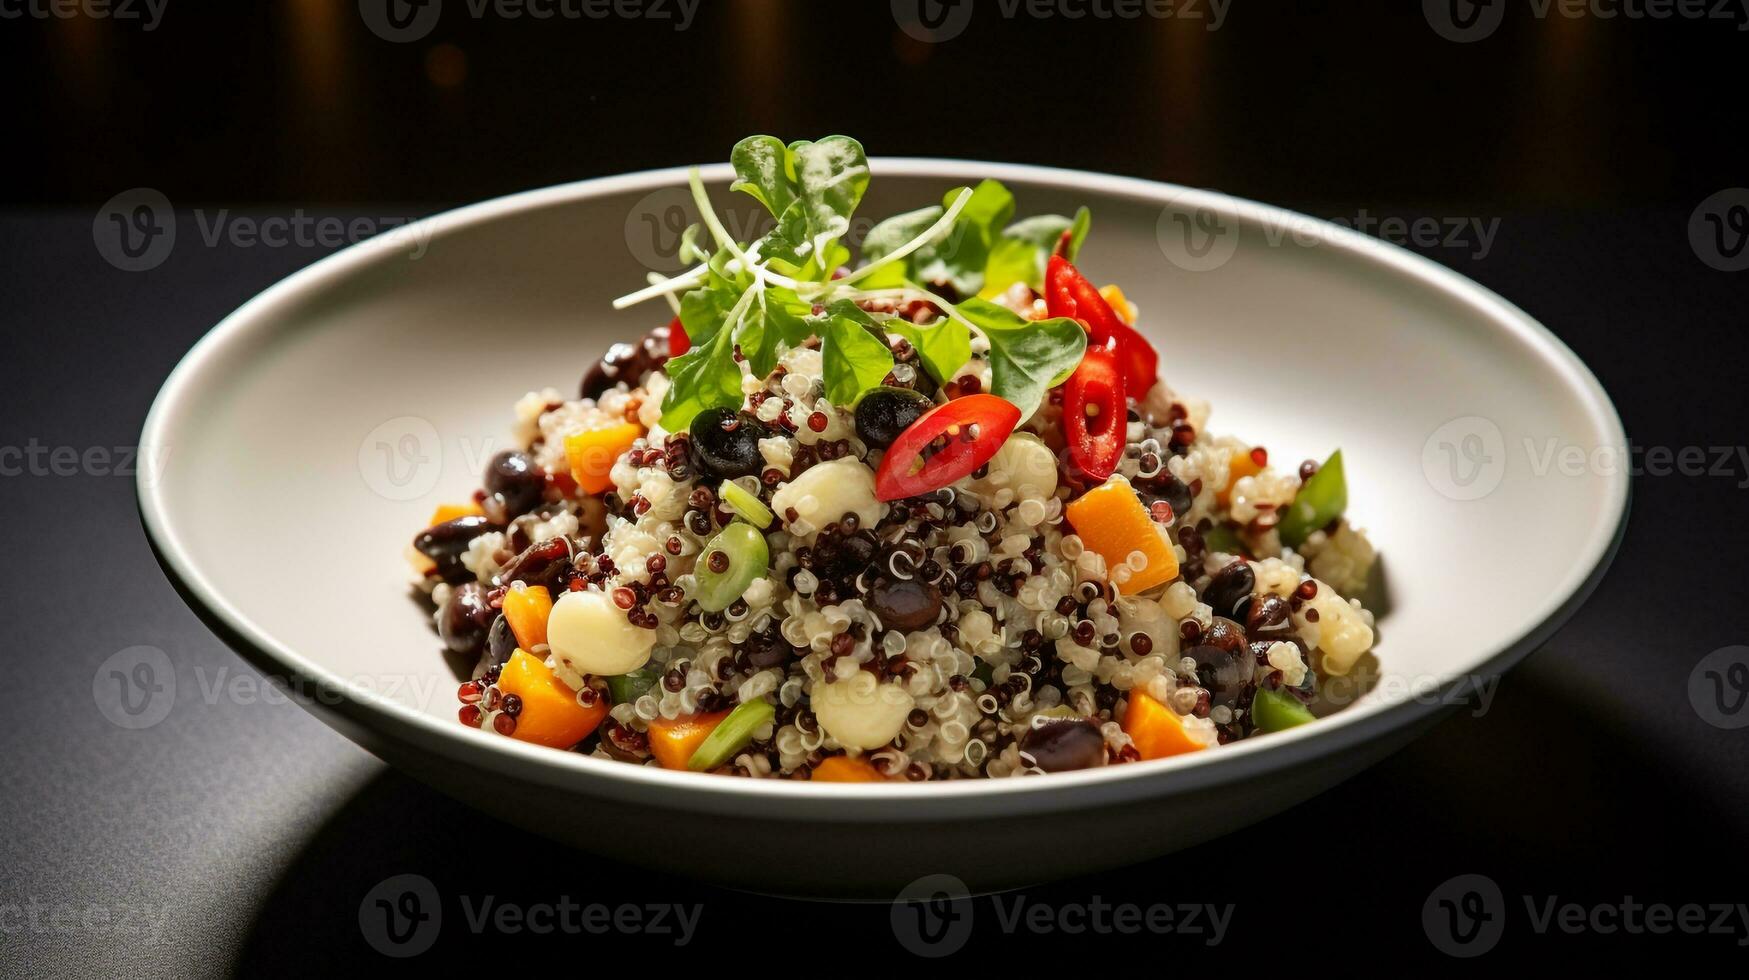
(773, 294)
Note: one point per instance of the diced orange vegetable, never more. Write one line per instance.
(844, 769)
(1119, 303)
(1111, 520)
(449, 512)
(550, 713)
(592, 454)
(1155, 728)
(527, 608)
(674, 740)
(1240, 463)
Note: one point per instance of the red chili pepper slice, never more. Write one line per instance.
(944, 444)
(678, 342)
(1095, 413)
(1068, 293)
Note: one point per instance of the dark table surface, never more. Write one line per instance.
(242, 835)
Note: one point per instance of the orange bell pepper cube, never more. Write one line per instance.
(844, 769)
(449, 512)
(674, 740)
(527, 607)
(1111, 521)
(593, 452)
(1155, 728)
(1240, 464)
(550, 713)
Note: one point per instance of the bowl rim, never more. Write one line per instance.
(1194, 771)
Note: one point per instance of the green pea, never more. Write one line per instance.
(730, 562)
(1274, 711)
(731, 735)
(1321, 500)
(745, 504)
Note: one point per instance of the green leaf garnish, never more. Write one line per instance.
(702, 378)
(1024, 248)
(831, 177)
(944, 346)
(853, 358)
(765, 169)
(958, 258)
(1027, 357)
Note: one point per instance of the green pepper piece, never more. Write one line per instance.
(745, 504)
(731, 735)
(627, 688)
(745, 559)
(1223, 539)
(1321, 500)
(1275, 711)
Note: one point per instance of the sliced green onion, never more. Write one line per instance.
(1321, 500)
(731, 735)
(745, 504)
(627, 688)
(1275, 711)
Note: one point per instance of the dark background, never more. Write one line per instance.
(253, 833)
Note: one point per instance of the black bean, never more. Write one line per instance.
(445, 543)
(906, 605)
(465, 618)
(1063, 744)
(517, 481)
(1224, 673)
(500, 644)
(1229, 587)
(1268, 614)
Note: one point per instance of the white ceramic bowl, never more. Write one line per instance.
(308, 437)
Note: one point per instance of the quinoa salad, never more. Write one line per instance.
(932, 511)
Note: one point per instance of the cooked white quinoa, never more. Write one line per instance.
(1027, 623)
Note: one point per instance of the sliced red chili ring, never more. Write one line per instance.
(945, 443)
(1068, 293)
(1095, 414)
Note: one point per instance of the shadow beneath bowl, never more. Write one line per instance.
(1536, 788)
